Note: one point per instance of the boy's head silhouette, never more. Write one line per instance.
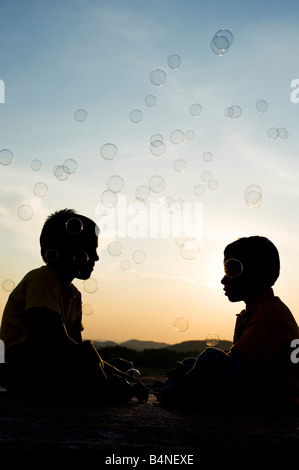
(251, 266)
(68, 243)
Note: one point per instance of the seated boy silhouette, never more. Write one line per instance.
(42, 322)
(258, 371)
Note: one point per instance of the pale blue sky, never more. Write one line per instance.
(58, 56)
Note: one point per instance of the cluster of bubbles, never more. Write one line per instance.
(115, 249)
(221, 42)
(64, 170)
(206, 177)
(233, 111)
(253, 196)
(277, 133)
(115, 184)
(189, 246)
(181, 325)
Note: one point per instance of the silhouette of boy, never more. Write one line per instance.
(258, 370)
(42, 322)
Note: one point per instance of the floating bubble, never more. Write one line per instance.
(156, 184)
(25, 212)
(8, 285)
(215, 49)
(181, 324)
(207, 156)
(74, 226)
(158, 77)
(133, 373)
(156, 137)
(114, 248)
(115, 183)
(273, 133)
(213, 184)
(225, 33)
(157, 148)
(136, 115)
(109, 198)
(199, 190)
(36, 164)
(190, 249)
(138, 204)
(80, 115)
(234, 111)
(6, 157)
(51, 255)
(180, 165)
(262, 106)
(108, 151)
(180, 239)
(87, 309)
(206, 176)
(282, 133)
(212, 339)
(190, 134)
(70, 165)
(40, 189)
(142, 192)
(60, 172)
(177, 137)
(125, 265)
(195, 109)
(81, 258)
(174, 61)
(253, 196)
(221, 41)
(150, 101)
(233, 268)
(90, 285)
(138, 256)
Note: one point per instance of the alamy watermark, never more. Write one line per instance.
(151, 219)
(295, 353)
(2, 352)
(295, 93)
(2, 91)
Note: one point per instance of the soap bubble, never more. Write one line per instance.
(233, 112)
(157, 137)
(261, 106)
(158, 77)
(87, 309)
(81, 258)
(80, 115)
(136, 115)
(25, 212)
(157, 148)
(90, 285)
(61, 172)
(156, 184)
(213, 184)
(207, 156)
(221, 41)
(177, 137)
(180, 165)
(212, 339)
(40, 189)
(190, 134)
(115, 183)
(142, 192)
(74, 226)
(206, 176)
(180, 239)
(6, 157)
(233, 268)
(8, 285)
(70, 165)
(109, 198)
(108, 151)
(125, 265)
(181, 324)
(190, 249)
(51, 255)
(174, 61)
(199, 190)
(217, 51)
(253, 196)
(114, 248)
(133, 373)
(150, 101)
(273, 133)
(36, 164)
(226, 34)
(138, 256)
(282, 133)
(195, 109)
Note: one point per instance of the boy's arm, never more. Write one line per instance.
(45, 325)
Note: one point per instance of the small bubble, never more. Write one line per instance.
(51, 255)
(25, 212)
(70, 165)
(253, 196)
(190, 249)
(36, 165)
(195, 109)
(6, 157)
(233, 268)
(108, 151)
(207, 156)
(87, 309)
(80, 115)
(158, 77)
(74, 226)
(157, 148)
(125, 265)
(212, 339)
(206, 176)
(262, 106)
(156, 184)
(177, 137)
(90, 285)
(181, 324)
(142, 192)
(115, 183)
(138, 256)
(136, 116)
(180, 165)
(81, 258)
(40, 189)
(174, 61)
(114, 248)
(109, 198)
(199, 190)
(150, 101)
(8, 285)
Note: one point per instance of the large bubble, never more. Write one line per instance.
(115, 183)
(158, 77)
(181, 324)
(174, 61)
(108, 151)
(253, 196)
(25, 212)
(6, 157)
(40, 189)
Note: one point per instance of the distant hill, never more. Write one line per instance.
(199, 345)
(104, 344)
(141, 345)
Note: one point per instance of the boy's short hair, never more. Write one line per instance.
(63, 230)
(259, 257)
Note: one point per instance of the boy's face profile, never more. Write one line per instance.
(235, 281)
(85, 257)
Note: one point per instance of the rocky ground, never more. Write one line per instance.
(136, 429)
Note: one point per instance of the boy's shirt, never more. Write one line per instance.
(263, 336)
(40, 287)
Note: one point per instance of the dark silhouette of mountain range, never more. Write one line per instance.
(185, 346)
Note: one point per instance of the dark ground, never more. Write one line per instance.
(135, 429)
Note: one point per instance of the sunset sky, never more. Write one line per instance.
(57, 57)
